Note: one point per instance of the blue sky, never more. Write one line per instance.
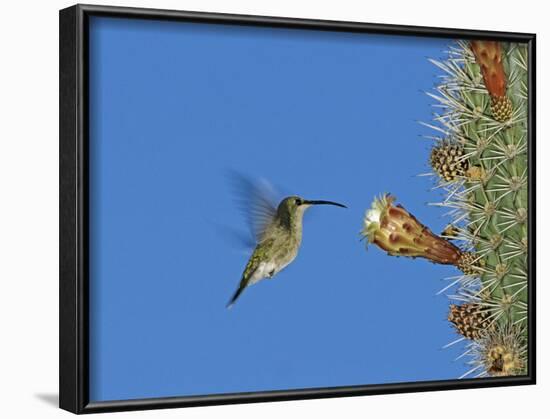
(174, 106)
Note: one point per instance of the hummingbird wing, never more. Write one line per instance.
(257, 201)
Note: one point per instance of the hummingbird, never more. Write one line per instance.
(278, 233)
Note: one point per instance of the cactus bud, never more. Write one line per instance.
(489, 58)
(447, 160)
(501, 108)
(470, 320)
(503, 352)
(468, 264)
(395, 230)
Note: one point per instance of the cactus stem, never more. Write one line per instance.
(487, 201)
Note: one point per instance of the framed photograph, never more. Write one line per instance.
(261, 208)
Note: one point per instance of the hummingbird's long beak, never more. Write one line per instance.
(317, 202)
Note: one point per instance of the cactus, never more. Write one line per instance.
(481, 166)
(479, 161)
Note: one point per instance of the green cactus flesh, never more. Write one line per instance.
(489, 201)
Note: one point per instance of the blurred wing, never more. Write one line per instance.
(237, 238)
(257, 201)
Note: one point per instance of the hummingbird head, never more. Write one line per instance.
(295, 205)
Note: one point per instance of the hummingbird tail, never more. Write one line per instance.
(235, 296)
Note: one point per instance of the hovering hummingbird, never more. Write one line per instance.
(278, 233)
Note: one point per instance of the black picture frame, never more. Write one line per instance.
(74, 217)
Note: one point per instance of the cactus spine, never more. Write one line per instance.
(481, 165)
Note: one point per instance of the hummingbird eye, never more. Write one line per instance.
(298, 201)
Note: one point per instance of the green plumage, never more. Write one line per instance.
(261, 252)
